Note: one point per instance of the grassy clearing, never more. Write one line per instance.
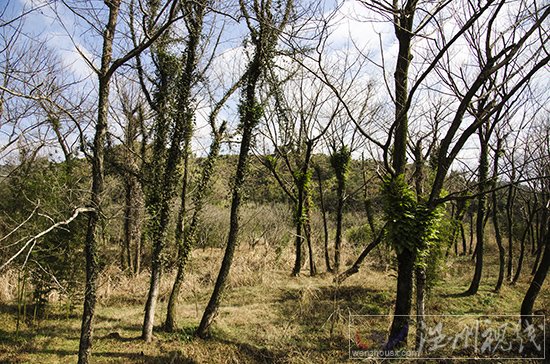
(267, 316)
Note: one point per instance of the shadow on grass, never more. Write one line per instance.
(174, 357)
(250, 352)
(317, 304)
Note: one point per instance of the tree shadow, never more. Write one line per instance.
(251, 352)
(457, 295)
(174, 357)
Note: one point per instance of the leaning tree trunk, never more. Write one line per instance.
(522, 249)
(92, 238)
(249, 119)
(537, 283)
(189, 237)
(355, 267)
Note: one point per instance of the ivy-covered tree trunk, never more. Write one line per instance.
(340, 161)
(302, 181)
(182, 240)
(163, 190)
(406, 252)
(264, 37)
(189, 237)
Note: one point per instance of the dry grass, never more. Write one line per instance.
(266, 316)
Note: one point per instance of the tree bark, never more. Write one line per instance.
(495, 213)
(403, 24)
(183, 129)
(509, 227)
(537, 283)
(355, 267)
(92, 238)
(190, 236)
(249, 119)
(481, 211)
(420, 305)
(401, 320)
(324, 216)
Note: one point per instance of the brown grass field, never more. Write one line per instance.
(266, 315)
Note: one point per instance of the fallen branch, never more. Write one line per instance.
(355, 267)
(33, 239)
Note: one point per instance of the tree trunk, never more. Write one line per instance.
(495, 213)
(299, 238)
(183, 245)
(339, 218)
(522, 250)
(355, 267)
(498, 238)
(509, 218)
(189, 237)
(324, 216)
(463, 234)
(366, 200)
(420, 290)
(92, 238)
(537, 260)
(249, 119)
(405, 258)
(536, 283)
(400, 326)
(471, 214)
(481, 211)
(307, 233)
(182, 131)
(340, 161)
(133, 210)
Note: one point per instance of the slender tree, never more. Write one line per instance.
(265, 22)
(167, 162)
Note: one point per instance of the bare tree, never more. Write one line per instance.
(265, 23)
(294, 128)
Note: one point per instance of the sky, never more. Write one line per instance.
(353, 30)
